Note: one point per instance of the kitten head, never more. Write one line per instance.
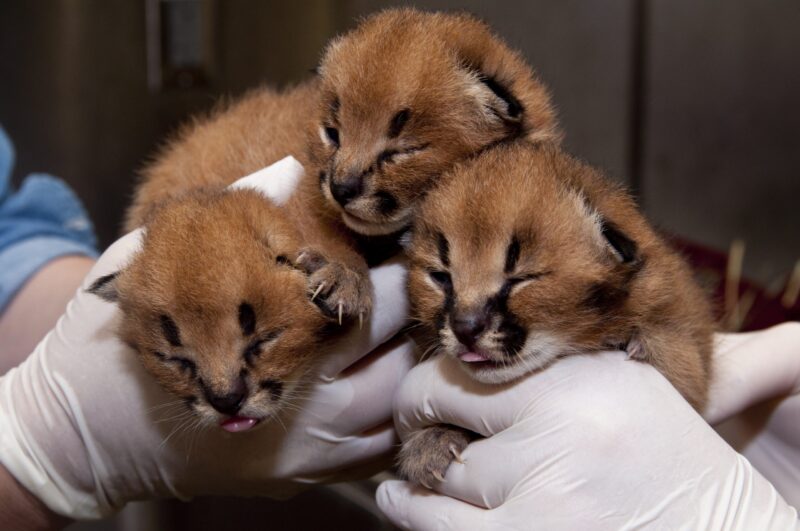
(512, 266)
(405, 96)
(215, 309)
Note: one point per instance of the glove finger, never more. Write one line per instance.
(416, 508)
(492, 467)
(439, 391)
(367, 389)
(389, 314)
(753, 367)
(356, 452)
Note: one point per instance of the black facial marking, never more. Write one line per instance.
(624, 246)
(253, 350)
(170, 330)
(513, 106)
(513, 333)
(274, 387)
(445, 281)
(512, 255)
(247, 319)
(442, 278)
(604, 297)
(323, 176)
(444, 249)
(333, 135)
(387, 156)
(282, 260)
(334, 107)
(398, 122)
(387, 203)
(185, 365)
(103, 287)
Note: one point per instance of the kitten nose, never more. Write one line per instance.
(347, 190)
(468, 327)
(230, 402)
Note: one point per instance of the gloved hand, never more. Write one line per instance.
(86, 429)
(761, 369)
(592, 442)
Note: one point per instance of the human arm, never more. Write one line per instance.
(37, 306)
(22, 511)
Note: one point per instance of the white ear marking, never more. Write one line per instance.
(592, 222)
(406, 239)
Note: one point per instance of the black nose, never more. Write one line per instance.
(230, 402)
(347, 190)
(468, 327)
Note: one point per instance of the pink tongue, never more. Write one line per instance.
(472, 357)
(236, 424)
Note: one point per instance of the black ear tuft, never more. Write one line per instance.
(624, 247)
(513, 108)
(105, 287)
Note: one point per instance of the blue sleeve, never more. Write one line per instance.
(41, 221)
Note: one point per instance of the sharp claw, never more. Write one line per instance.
(319, 288)
(456, 454)
(426, 485)
(360, 320)
(438, 475)
(301, 256)
(340, 312)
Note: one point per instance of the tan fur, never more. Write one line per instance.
(397, 59)
(444, 69)
(580, 295)
(585, 299)
(197, 270)
(427, 63)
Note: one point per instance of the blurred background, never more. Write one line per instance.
(693, 104)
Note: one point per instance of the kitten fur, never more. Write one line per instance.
(229, 327)
(397, 102)
(524, 255)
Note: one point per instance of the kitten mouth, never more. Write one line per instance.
(372, 228)
(238, 423)
(477, 360)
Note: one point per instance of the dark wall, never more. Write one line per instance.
(691, 103)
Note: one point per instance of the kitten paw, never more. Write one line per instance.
(426, 455)
(340, 292)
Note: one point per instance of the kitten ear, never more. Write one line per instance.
(605, 233)
(494, 97)
(406, 239)
(623, 248)
(105, 287)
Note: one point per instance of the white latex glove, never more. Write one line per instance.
(761, 368)
(592, 442)
(86, 429)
